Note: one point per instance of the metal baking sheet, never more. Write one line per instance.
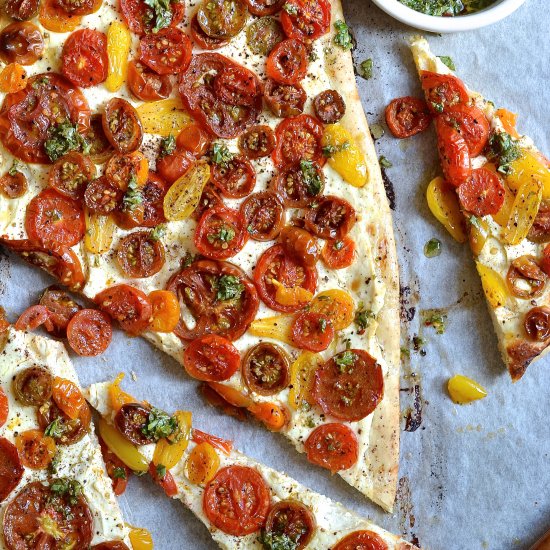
(473, 477)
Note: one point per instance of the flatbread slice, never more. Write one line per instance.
(202, 478)
(503, 193)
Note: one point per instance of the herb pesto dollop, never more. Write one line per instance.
(447, 7)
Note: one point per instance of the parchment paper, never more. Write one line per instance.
(473, 477)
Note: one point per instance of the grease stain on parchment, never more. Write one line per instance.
(407, 518)
(5, 271)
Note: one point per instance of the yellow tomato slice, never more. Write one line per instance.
(302, 372)
(163, 117)
(479, 231)
(503, 215)
(276, 327)
(493, 285)
(166, 310)
(345, 155)
(168, 452)
(119, 42)
(13, 78)
(141, 539)
(465, 390)
(529, 167)
(443, 204)
(184, 195)
(118, 397)
(99, 232)
(291, 296)
(202, 464)
(525, 208)
(231, 395)
(336, 304)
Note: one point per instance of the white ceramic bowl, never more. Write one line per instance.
(497, 11)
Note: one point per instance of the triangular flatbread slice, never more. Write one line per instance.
(72, 474)
(501, 204)
(209, 474)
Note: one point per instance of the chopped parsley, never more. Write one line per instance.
(159, 424)
(54, 429)
(277, 541)
(119, 473)
(220, 154)
(345, 360)
(68, 488)
(228, 287)
(438, 321)
(167, 146)
(225, 235)
(160, 13)
(291, 9)
(363, 318)
(133, 197)
(323, 325)
(158, 232)
(161, 471)
(365, 69)
(446, 60)
(62, 138)
(342, 37)
(384, 162)
(505, 148)
(330, 150)
(310, 177)
(432, 248)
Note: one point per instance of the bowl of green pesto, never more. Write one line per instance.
(449, 15)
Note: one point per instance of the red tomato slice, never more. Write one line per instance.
(147, 85)
(167, 481)
(292, 519)
(11, 470)
(237, 500)
(312, 331)
(545, 262)
(306, 20)
(332, 219)
(122, 125)
(211, 358)
(332, 446)
(68, 397)
(53, 217)
(364, 540)
(407, 116)
(264, 215)
(483, 194)
(70, 175)
(453, 154)
(4, 407)
(264, 7)
(127, 305)
(166, 52)
(33, 317)
(139, 255)
(224, 445)
(153, 199)
(339, 254)
(443, 91)
(287, 62)
(21, 42)
(202, 39)
(194, 138)
(89, 332)
(349, 386)
(116, 469)
(173, 166)
(84, 58)
(236, 179)
(140, 17)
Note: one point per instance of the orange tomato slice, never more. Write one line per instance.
(202, 464)
(55, 19)
(68, 397)
(166, 310)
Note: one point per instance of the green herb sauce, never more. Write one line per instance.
(447, 7)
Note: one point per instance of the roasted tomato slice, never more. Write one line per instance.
(173, 166)
(100, 148)
(227, 101)
(140, 255)
(146, 84)
(235, 179)
(350, 385)
(407, 116)
(27, 116)
(68, 397)
(537, 323)
(59, 261)
(276, 265)
(264, 215)
(53, 217)
(266, 369)
(257, 141)
(36, 450)
(38, 505)
(218, 295)
(329, 106)
(33, 386)
(312, 331)
(167, 481)
(141, 18)
(211, 358)
(33, 317)
(483, 193)
(361, 539)
(130, 420)
(116, 470)
(339, 254)
(61, 307)
(84, 58)
(210, 198)
(236, 500)
(13, 184)
(127, 305)
(332, 446)
(287, 62)
(202, 39)
(103, 196)
(89, 332)
(221, 233)
(443, 91)
(22, 43)
(63, 429)
(263, 34)
(54, 18)
(122, 125)
(122, 169)
(306, 20)
(453, 153)
(222, 19)
(471, 124)
(300, 245)
(264, 7)
(71, 173)
(11, 469)
(299, 185)
(21, 9)
(525, 278)
(291, 519)
(79, 7)
(284, 100)
(333, 218)
(153, 196)
(298, 139)
(166, 52)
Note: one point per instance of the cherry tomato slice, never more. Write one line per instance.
(300, 245)
(141, 17)
(257, 141)
(264, 215)
(339, 254)
(33, 317)
(67, 431)
(147, 85)
(284, 100)
(263, 34)
(166, 310)
(222, 19)
(130, 420)
(173, 166)
(407, 116)
(202, 39)
(221, 233)
(264, 7)
(298, 139)
(116, 470)
(122, 125)
(167, 481)
(349, 386)
(70, 174)
(61, 308)
(266, 369)
(153, 198)
(13, 78)
(224, 445)
(54, 18)
(80, 7)
(68, 397)
(214, 399)
(4, 407)
(89, 332)
(218, 295)
(21, 10)
(84, 58)
(482, 194)
(211, 358)
(22, 43)
(332, 219)
(298, 186)
(235, 179)
(287, 63)
(193, 138)
(103, 196)
(332, 446)
(51, 216)
(36, 450)
(123, 169)
(128, 305)
(312, 331)
(329, 106)
(210, 198)
(361, 539)
(292, 519)
(140, 255)
(443, 91)
(33, 386)
(276, 264)
(306, 20)
(453, 154)
(100, 148)
(236, 500)
(166, 52)
(11, 470)
(13, 186)
(36, 505)
(537, 323)
(525, 278)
